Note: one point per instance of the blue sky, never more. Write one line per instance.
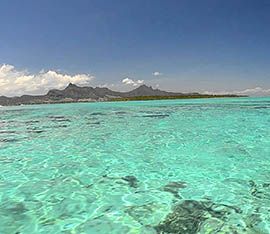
(210, 45)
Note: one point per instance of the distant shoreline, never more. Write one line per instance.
(201, 96)
(142, 98)
(73, 94)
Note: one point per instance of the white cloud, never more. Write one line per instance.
(129, 81)
(106, 85)
(257, 91)
(15, 82)
(156, 73)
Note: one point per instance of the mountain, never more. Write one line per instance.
(144, 90)
(74, 93)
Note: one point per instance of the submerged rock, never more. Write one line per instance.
(186, 218)
(59, 118)
(132, 181)
(97, 113)
(266, 185)
(173, 187)
(8, 140)
(120, 112)
(94, 123)
(255, 190)
(159, 116)
(189, 216)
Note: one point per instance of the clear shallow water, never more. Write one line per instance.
(136, 167)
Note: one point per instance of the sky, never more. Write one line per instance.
(215, 46)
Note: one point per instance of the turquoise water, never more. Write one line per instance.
(172, 166)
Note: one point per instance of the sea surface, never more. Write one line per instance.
(170, 166)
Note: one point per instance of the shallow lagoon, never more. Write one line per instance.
(171, 166)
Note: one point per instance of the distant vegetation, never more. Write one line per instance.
(190, 96)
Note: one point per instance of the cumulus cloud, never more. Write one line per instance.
(156, 73)
(128, 81)
(14, 82)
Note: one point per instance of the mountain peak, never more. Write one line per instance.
(71, 85)
(145, 87)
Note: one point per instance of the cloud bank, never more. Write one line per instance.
(257, 91)
(15, 82)
(128, 81)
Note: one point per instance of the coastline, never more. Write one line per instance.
(139, 98)
(73, 93)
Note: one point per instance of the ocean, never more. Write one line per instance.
(170, 166)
